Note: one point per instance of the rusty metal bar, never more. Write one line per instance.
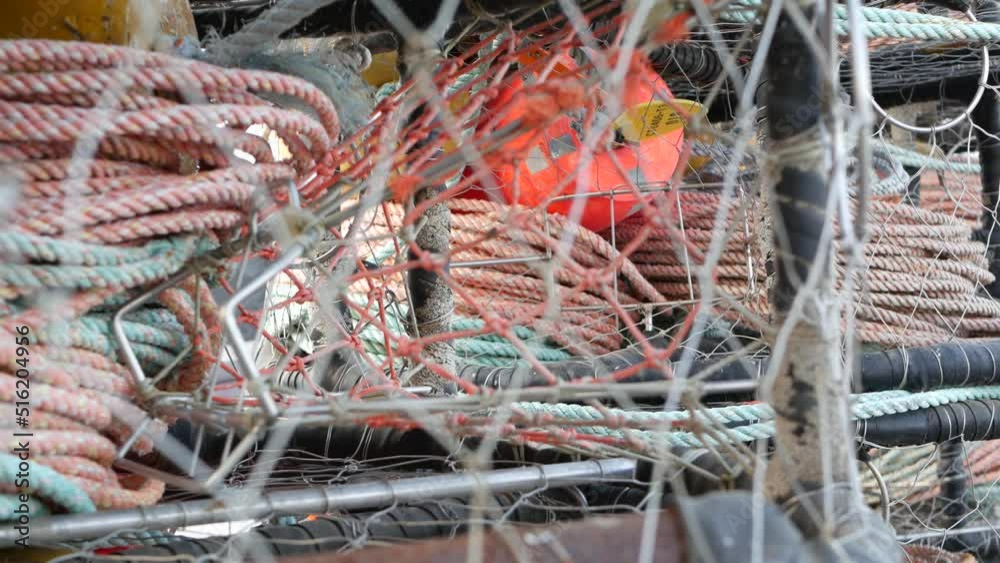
(594, 540)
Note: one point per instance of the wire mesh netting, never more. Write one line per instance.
(724, 270)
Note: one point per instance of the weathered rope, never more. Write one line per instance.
(128, 165)
(518, 292)
(886, 23)
(266, 29)
(756, 419)
(488, 350)
(921, 280)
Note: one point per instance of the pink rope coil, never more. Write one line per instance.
(114, 146)
(586, 322)
(921, 277)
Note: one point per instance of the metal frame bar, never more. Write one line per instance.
(322, 500)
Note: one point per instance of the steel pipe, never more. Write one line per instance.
(321, 500)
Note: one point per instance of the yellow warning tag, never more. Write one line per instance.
(563, 66)
(656, 118)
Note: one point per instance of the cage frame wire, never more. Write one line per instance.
(267, 412)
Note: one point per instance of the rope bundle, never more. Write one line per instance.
(754, 421)
(567, 304)
(953, 193)
(895, 25)
(125, 166)
(949, 185)
(921, 277)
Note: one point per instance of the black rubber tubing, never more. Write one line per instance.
(403, 523)
(911, 369)
(967, 420)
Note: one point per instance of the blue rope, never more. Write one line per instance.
(490, 350)
(47, 484)
(757, 419)
(916, 159)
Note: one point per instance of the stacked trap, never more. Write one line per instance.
(589, 250)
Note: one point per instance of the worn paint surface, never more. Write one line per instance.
(137, 23)
(594, 540)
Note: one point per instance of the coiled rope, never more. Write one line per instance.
(952, 185)
(922, 274)
(887, 23)
(127, 166)
(518, 292)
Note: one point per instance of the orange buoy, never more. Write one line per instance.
(549, 168)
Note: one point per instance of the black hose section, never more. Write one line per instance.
(933, 367)
(912, 369)
(417, 450)
(331, 442)
(426, 520)
(953, 75)
(695, 62)
(965, 420)
(912, 195)
(954, 482)
(402, 449)
(915, 369)
(794, 110)
(983, 544)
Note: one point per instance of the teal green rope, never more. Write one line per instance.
(46, 484)
(759, 416)
(156, 335)
(162, 318)
(72, 253)
(160, 265)
(883, 23)
(10, 503)
(168, 335)
(153, 346)
(916, 159)
(490, 350)
(79, 266)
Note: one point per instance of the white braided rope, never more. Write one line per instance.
(264, 30)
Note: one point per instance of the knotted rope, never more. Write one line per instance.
(126, 166)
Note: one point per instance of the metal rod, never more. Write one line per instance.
(232, 328)
(937, 534)
(499, 261)
(140, 383)
(321, 501)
